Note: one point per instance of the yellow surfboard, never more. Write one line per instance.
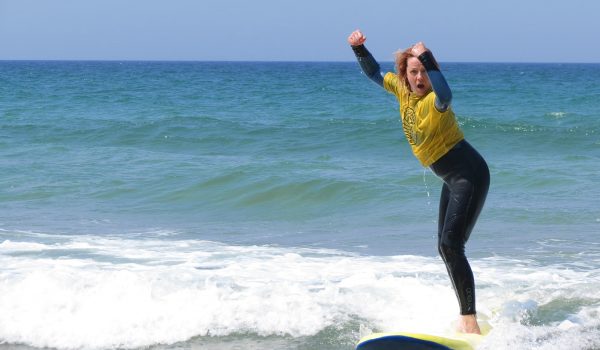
(417, 341)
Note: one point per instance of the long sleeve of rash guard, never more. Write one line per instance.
(438, 82)
(368, 64)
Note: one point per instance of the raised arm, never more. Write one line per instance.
(438, 82)
(367, 62)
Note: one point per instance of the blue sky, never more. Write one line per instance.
(305, 30)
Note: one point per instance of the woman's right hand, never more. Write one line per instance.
(357, 38)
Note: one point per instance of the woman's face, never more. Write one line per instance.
(417, 77)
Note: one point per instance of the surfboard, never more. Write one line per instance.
(417, 341)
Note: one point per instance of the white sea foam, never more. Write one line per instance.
(92, 292)
(558, 115)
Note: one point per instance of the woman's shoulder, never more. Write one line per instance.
(391, 77)
(391, 82)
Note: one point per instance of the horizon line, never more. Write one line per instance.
(274, 61)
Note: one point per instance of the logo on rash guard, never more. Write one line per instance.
(408, 125)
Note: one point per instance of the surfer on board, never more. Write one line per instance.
(437, 142)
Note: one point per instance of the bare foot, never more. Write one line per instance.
(468, 324)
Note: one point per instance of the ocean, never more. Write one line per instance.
(277, 205)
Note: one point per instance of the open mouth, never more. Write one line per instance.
(420, 86)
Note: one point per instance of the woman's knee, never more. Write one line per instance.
(450, 251)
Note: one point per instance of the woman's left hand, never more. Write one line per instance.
(418, 49)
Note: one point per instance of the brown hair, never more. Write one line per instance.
(401, 64)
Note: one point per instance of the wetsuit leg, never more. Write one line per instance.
(466, 182)
(444, 201)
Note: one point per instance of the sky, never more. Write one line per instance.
(299, 30)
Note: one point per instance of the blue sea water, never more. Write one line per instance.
(247, 205)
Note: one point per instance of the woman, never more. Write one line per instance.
(438, 143)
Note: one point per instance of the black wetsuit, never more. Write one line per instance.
(466, 180)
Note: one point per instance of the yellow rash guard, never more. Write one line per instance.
(430, 133)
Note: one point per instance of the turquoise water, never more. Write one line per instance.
(223, 205)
